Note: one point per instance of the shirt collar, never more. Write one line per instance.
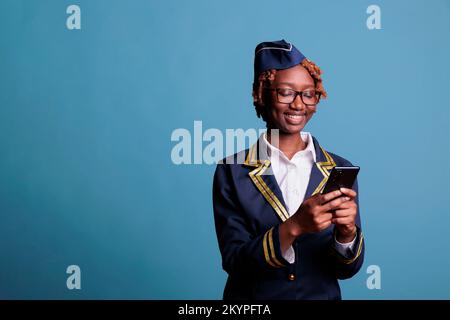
(306, 136)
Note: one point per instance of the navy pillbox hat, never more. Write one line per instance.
(276, 55)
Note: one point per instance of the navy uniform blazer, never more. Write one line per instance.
(248, 209)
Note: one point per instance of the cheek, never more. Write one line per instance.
(311, 112)
(278, 115)
(275, 110)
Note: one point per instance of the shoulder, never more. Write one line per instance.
(231, 174)
(231, 165)
(340, 161)
(236, 159)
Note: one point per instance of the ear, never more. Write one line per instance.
(257, 98)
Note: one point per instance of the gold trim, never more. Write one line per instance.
(325, 168)
(255, 175)
(251, 159)
(274, 197)
(266, 252)
(274, 261)
(271, 246)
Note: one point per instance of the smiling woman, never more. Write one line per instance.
(306, 74)
(286, 85)
(279, 236)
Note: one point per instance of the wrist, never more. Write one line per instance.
(346, 236)
(288, 233)
(292, 228)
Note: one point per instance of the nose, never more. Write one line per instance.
(298, 103)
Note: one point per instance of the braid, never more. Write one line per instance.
(264, 80)
(315, 73)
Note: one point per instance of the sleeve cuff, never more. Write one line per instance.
(271, 248)
(289, 255)
(350, 254)
(345, 249)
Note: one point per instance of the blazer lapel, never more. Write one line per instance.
(264, 180)
(320, 170)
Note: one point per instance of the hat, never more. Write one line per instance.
(276, 55)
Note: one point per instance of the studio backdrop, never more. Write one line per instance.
(108, 112)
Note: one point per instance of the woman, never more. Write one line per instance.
(279, 236)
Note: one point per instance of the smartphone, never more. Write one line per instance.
(341, 177)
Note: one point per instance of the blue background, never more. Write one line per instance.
(86, 118)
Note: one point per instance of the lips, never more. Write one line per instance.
(294, 118)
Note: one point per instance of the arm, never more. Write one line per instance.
(242, 251)
(346, 266)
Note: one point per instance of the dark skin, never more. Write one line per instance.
(321, 210)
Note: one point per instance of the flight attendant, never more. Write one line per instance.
(279, 236)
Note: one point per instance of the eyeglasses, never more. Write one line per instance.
(309, 98)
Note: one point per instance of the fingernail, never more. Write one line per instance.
(347, 198)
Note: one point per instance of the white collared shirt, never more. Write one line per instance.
(292, 177)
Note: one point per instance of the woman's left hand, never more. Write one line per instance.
(344, 217)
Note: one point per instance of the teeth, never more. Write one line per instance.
(294, 116)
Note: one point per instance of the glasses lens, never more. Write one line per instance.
(310, 97)
(286, 95)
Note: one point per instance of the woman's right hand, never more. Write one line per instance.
(313, 215)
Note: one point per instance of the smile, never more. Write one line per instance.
(295, 118)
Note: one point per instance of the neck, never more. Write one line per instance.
(288, 143)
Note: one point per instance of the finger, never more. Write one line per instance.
(349, 192)
(325, 217)
(343, 221)
(325, 225)
(346, 205)
(334, 204)
(343, 213)
(330, 195)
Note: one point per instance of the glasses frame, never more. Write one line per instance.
(297, 93)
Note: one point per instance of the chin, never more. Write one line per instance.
(288, 128)
(294, 128)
